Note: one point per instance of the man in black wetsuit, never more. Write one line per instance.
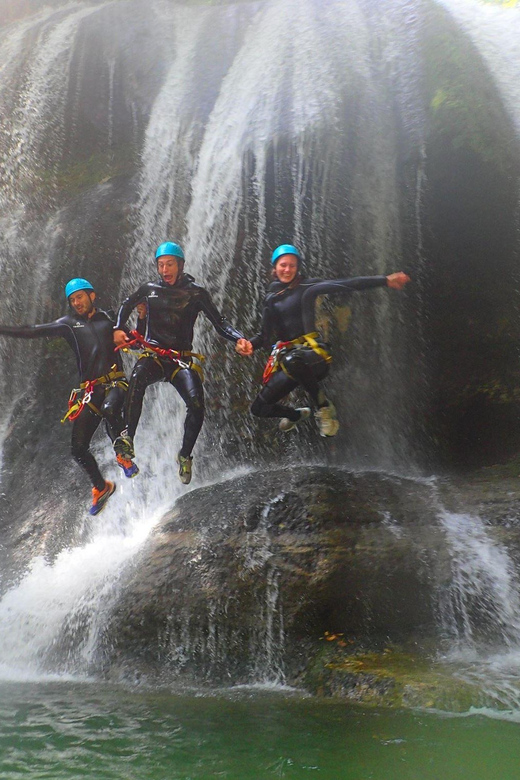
(89, 333)
(172, 307)
(300, 357)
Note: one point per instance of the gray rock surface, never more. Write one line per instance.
(241, 580)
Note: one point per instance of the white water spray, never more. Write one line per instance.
(267, 90)
(483, 586)
(495, 30)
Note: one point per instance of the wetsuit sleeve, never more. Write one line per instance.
(221, 325)
(51, 329)
(141, 326)
(128, 306)
(329, 286)
(265, 337)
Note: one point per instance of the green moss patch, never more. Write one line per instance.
(390, 678)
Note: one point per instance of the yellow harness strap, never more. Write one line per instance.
(112, 379)
(309, 340)
(112, 376)
(146, 353)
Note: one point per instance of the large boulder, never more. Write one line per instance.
(242, 580)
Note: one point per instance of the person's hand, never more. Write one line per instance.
(141, 310)
(244, 347)
(120, 338)
(398, 281)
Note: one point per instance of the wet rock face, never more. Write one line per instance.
(241, 580)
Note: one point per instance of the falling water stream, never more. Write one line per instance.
(255, 116)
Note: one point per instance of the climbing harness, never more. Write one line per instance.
(156, 353)
(82, 395)
(281, 348)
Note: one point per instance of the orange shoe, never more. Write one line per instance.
(100, 497)
(130, 468)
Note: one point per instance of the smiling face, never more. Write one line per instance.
(286, 268)
(168, 268)
(82, 302)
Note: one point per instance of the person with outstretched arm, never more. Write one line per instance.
(300, 357)
(173, 304)
(89, 333)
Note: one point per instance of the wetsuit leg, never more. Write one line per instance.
(189, 386)
(83, 429)
(266, 403)
(309, 377)
(112, 411)
(146, 372)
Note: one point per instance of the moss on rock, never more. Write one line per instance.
(392, 677)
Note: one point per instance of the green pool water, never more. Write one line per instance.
(69, 730)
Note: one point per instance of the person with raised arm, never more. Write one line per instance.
(300, 357)
(173, 304)
(89, 333)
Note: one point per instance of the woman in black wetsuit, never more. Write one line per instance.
(299, 356)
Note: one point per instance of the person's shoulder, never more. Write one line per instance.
(274, 288)
(68, 320)
(188, 283)
(187, 280)
(311, 281)
(103, 314)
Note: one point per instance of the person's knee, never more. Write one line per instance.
(111, 411)
(259, 407)
(195, 405)
(138, 384)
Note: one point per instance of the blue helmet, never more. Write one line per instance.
(75, 285)
(284, 249)
(169, 248)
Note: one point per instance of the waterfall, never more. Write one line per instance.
(261, 122)
(33, 93)
(479, 609)
(280, 118)
(481, 603)
(495, 30)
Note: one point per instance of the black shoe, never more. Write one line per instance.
(184, 468)
(124, 445)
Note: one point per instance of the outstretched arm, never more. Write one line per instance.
(221, 325)
(52, 329)
(263, 339)
(396, 281)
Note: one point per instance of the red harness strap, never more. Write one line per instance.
(88, 389)
(172, 354)
(272, 362)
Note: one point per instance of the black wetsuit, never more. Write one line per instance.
(171, 313)
(92, 341)
(288, 314)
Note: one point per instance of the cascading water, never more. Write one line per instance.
(290, 128)
(482, 601)
(270, 117)
(46, 95)
(479, 609)
(495, 30)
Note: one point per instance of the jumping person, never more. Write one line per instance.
(172, 307)
(89, 333)
(299, 357)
